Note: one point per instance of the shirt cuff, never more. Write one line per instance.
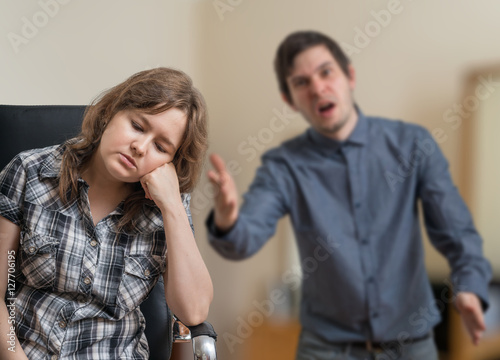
(214, 230)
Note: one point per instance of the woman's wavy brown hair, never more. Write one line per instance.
(151, 91)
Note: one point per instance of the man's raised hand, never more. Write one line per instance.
(226, 195)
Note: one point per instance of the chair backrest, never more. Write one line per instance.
(28, 127)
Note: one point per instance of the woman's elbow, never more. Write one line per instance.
(197, 314)
(193, 318)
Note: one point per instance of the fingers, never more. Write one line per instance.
(213, 177)
(226, 197)
(218, 163)
(221, 188)
(469, 306)
(144, 185)
(474, 329)
(474, 325)
(219, 177)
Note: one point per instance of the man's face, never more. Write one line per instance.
(322, 93)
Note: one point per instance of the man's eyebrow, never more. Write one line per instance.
(324, 65)
(148, 124)
(320, 67)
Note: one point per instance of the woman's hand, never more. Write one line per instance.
(162, 186)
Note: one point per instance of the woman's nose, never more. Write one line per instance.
(139, 147)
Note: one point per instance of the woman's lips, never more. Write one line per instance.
(128, 161)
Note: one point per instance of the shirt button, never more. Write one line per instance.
(62, 324)
(370, 279)
(93, 243)
(32, 249)
(375, 315)
(147, 272)
(53, 357)
(364, 242)
(357, 205)
(87, 280)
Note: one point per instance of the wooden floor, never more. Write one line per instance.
(272, 341)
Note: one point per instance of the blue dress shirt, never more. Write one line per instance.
(354, 210)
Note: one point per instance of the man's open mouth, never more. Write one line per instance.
(325, 107)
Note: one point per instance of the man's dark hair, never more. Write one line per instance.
(297, 42)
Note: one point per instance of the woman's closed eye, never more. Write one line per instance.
(136, 126)
(160, 148)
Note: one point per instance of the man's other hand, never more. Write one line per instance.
(469, 307)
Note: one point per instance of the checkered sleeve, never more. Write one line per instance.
(12, 187)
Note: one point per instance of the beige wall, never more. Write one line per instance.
(67, 51)
(411, 68)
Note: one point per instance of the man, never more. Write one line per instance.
(351, 184)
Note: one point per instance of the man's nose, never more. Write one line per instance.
(317, 86)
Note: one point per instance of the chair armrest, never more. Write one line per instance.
(183, 333)
(205, 328)
(202, 336)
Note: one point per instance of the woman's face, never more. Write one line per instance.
(135, 143)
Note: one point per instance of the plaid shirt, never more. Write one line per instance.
(79, 285)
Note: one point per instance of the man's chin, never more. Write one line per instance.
(335, 126)
(331, 129)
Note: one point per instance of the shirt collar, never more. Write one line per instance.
(51, 166)
(359, 136)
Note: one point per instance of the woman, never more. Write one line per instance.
(86, 225)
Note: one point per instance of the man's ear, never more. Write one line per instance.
(352, 77)
(287, 101)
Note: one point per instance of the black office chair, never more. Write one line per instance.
(29, 127)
